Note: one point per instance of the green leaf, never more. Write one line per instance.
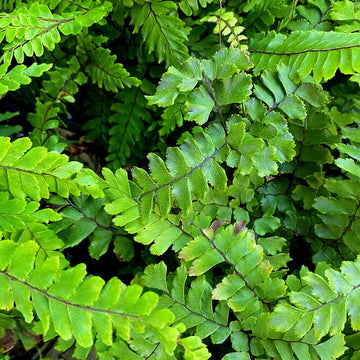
(353, 304)
(23, 259)
(293, 107)
(233, 90)
(266, 224)
(284, 317)
(155, 276)
(332, 348)
(349, 165)
(199, 105)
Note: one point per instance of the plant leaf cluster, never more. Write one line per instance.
(229, 185)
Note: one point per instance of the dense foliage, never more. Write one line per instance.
(238, 237)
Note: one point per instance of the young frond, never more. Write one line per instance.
(227, 25)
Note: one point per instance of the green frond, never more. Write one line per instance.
(36, 172)
(317, 52)
(261, 14)
(260, 182)
(250, 287)
(28, 30)
(229, 27)
(313, 16)
(58, 91)
(75, 305)
(18, 214)
(129, 119)
(20, 75)
(339, 216)
(346, 15)
(84, 217)
(9, 5)
(195, 308)
(199, 103)
(163, 32)
(324, 302)
(177, 179)
(105, 72)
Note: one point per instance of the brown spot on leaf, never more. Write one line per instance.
(239, 226)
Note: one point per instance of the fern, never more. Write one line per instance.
(261, 15)
(69, 303)
(28, 30)
(346, 15)
(324, 299)
(240, 238)
(59, 90)
(128, 121)
(161, 31)
(105, 72)
(189, 7)
(298, 52)
(228, 25)
(36, 172)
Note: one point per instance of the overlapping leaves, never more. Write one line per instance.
(317, 52)
(28, 30)
(164, 33)
(72, 305)
(35, 172)
(323, 300)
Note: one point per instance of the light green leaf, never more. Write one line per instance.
(332, 348)
(284, 317)
(199, 105)
(233, 90)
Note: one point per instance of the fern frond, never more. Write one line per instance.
(130, 115)
(27, 30)
(60, 89)
(346, 15)
(228, 26)
(127, 209)
(162, 30)
(250, 287)
(194, 309)
(316, 52)
(9, 5)
(343, 230)
(85, 217)
(75, 305)
(315, 16)
(36, 172)
(261, 14)
(176, 179)
(324, 301)
(181, 81)
(20, 75)
(17, 214)
(105, 72)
